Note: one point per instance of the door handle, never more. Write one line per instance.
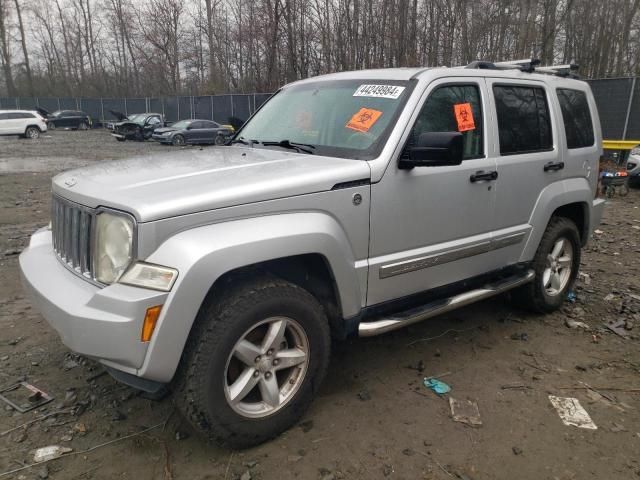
(553, 166)
(481, 176)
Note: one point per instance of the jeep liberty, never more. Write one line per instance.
(350, 203)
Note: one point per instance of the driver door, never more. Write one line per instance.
(431, 226)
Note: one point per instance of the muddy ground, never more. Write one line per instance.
(373, 417)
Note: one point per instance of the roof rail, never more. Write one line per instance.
(528, 65)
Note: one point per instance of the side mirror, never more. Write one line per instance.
(433, 149)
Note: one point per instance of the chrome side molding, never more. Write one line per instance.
(438, 307)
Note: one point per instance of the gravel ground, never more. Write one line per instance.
(373, 418)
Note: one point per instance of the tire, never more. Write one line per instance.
(51, 126)
(178, 140)
(120, 139)
(609, 191)
(32, 133)
(219, 140)
(139, 135)
(207, 378)
(83, 126)
(546, 293)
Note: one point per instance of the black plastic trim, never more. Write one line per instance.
(351, 184)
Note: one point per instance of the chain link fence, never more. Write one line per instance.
(211, 107)
(618, 101)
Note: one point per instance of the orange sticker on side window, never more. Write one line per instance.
(464, 117)
(364, 119)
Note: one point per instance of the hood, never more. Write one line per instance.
(178, 183)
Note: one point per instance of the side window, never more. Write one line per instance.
(576, 118)
(198, 125)
(523, 119)
(153, 121)
(4, 116)
(453, 108)
(20, 115)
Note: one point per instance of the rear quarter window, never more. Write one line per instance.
(576, 117)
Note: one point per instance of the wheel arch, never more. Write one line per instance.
(309, 249)
(570, 198)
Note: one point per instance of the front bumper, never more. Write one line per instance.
(101, 323)
(162, 138)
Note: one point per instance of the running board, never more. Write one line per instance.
(408, 317)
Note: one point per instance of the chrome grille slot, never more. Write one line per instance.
(71, 226)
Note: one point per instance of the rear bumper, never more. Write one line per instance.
(597, 208)
(102, 323)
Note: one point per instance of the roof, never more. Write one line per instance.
(407, 73)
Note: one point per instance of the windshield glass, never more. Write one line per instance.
(182, 124)
(343, 118)
(137, 118)
(57, 113)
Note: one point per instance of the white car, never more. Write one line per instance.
(26, 123)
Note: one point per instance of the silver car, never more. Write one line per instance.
(351, 203)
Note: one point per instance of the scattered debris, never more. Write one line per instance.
(524, 336)
(571, 296)
(436, 385)
(24, 401)
(617, 327)
(516, 450)
(465, 411)
(598, 231)
(515, 386)
(615, 428)
(364, 395)
(609, 297)
(45, 454)
(306, 426)
(247, 475)
(571, 412)
(585, 278)
(576, 324)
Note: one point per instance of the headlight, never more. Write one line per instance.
(114, 246)
(151, 276)
(166, 134)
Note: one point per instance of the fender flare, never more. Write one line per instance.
(203, 254)
(552, 197)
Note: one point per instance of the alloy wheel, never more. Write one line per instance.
(266, 367)
(557, 272)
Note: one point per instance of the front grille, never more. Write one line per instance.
(71, 226)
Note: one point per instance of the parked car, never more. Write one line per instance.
(26, 123)
(139, 126)
(351, 203)
(633, 167)
(74, 119)
(193, 131)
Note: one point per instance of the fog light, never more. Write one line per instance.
(150, 320)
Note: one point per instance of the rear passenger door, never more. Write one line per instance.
(528, 157)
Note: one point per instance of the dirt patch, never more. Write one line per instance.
(373, 417)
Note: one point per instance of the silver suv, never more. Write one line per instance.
(352, 203)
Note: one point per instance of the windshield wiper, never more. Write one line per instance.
(300, 147)
(243, 141)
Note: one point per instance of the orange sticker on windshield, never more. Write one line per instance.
(464, 117)
(364, 119)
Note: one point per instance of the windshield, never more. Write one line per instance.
(181, 125)
(137, 118)
(344, 118)
(57, 113)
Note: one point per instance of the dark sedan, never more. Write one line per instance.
(193, 131)
(69, 119)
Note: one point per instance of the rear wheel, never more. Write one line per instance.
(555, 265)
(178, 140)
(51, 126)
(219, 140)
(120, 139)
(255, 359)
(83, 126)
(32, 133)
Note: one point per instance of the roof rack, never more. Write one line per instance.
(528, 65)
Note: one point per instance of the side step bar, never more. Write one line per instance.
(384, 325)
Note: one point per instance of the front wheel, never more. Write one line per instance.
(178, 140)
(219, 140)
(83, 126)
(254, 361)
(555, 265)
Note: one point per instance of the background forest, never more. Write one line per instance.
(170, 47)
